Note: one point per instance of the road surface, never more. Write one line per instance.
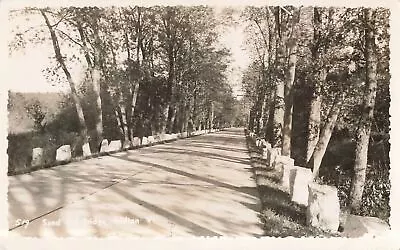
(199, 186)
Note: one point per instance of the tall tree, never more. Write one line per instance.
(72, 85)
(319, 77)
(290, 77)
(364, 126)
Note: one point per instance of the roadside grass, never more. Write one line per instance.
(280, 216)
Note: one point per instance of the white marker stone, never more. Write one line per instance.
(323, 207)
(151, 139)
(63, 153)
(284, 164)
(86, 150)
(37, 157)
(136, 141)
(104, 146)
(114, 146)
(272, 154)
(145, 141)
(299, 179)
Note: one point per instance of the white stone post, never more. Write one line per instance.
(104, 146)
(86, 150)
(114, 146)
(323, 207)
(136, 141)
(37, 157)
(272, 153)
(300, 177)
(284, 164)
(145, 141)
(63, 153)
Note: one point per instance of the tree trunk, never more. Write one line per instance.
(124, 122)
(364, 129)
(211, 115)
(314, 121)
(252, 118)
(99, 119)
(136, 85)
(319, 151)
(314, 118)
(96, 80)
(172, 117)
(290, 77)
(279, 111)
(120, 113)
(270, 122)
(60, 60)
(264, 118)
(133, 104)
(287, 127)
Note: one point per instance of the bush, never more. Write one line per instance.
(337, 170)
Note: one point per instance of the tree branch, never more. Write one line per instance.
(69, 37)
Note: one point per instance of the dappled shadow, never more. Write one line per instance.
(247, 190)
(208, 155)
(196, 230)
(215, 147)
(90, 186)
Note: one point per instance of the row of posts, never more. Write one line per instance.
(64, 153)
(322, 201)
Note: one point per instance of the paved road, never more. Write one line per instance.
(200, 186)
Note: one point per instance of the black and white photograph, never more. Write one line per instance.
(267, 120)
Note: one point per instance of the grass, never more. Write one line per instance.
(280, 216)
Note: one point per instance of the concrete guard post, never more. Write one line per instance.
(284, 164)
(272, 153)
(299, 179)
(151, 140)
(104, 146)
(37, 157)
(63, 153)
(136, 141)
(86, 150)
(114, 146)
(145, 141)
(323, 208)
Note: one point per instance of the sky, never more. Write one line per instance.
(25, 66)
(233, 39)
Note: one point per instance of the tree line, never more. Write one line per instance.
(316, 73)
(149, 70)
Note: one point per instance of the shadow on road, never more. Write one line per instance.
(246, 190)
(49, 191)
